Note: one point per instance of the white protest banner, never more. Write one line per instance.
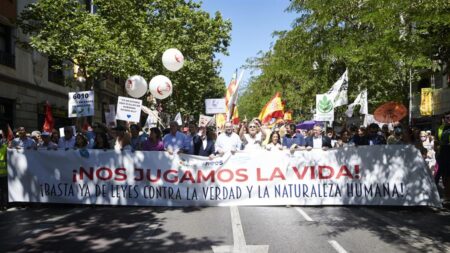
(324, 108)
(204, 120)
(81, 104)
(366, 175)
(215, 105)
(129, 109)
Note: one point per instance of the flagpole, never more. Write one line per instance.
(410, 97)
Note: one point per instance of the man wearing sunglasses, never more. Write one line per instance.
(443, 157)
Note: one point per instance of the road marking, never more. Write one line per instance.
(238, 232)
(337, 246)
(239, 244)
(304, 214)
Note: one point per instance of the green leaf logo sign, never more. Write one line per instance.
(325, 105)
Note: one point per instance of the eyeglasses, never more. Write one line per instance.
(251, 126)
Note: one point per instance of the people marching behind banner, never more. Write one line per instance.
(247, 137)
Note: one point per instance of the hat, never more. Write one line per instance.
(45, 134)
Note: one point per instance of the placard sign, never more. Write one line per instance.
(81, 104)
(204, 120)
(129, 109)
(215, 105)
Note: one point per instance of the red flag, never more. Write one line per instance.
(48, 122)
(10, 135)
(86, 126)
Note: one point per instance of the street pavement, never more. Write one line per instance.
(77, 228)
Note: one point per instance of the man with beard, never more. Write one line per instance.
(228, 141)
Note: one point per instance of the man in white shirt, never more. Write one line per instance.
(174, 142)
(228, 141)
(318, 140)
(68, 141)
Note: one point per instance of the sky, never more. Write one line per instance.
(253, 22)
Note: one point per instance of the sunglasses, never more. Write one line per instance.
(251, 126)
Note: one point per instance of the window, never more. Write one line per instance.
(6, 49)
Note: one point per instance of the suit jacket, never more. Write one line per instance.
(326, 142)
(198, 147)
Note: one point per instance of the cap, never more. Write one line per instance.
(45, 134)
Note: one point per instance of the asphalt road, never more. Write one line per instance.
(69, 228)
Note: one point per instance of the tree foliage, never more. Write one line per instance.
(125, 38)
(378, 41)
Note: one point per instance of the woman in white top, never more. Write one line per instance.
(275, 143)
(252, 140)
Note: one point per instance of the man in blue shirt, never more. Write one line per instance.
(292, 138)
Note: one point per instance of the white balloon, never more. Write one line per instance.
(173, 59)
(136, 86)
(160, 87)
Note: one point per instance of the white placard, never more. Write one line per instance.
(61, 131)
(324, 108)
(81, 104)
(366, 175)
(129, 109)
(215, 105)
(204, 120)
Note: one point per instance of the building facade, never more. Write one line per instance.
(27, 81)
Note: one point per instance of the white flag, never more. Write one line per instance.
(361, 100)
(178, 119)
(339, 90)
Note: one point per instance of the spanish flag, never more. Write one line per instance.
(235, 117)
(273, 109)
(231, 90)
(288, 116)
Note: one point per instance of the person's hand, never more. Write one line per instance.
(324, 148)
(233, 151)
(309, 148)
(211, 156)
(301, 147)
(292, 149)
(170, 152)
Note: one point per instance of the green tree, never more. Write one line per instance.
(124, 38)
(378, 41)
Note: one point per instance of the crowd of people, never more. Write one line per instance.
(247, 136)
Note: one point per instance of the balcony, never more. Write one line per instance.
(7, 59)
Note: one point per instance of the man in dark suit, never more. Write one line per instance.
(204, 145)
(318, 140)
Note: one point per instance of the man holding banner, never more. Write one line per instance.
(228, 141)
